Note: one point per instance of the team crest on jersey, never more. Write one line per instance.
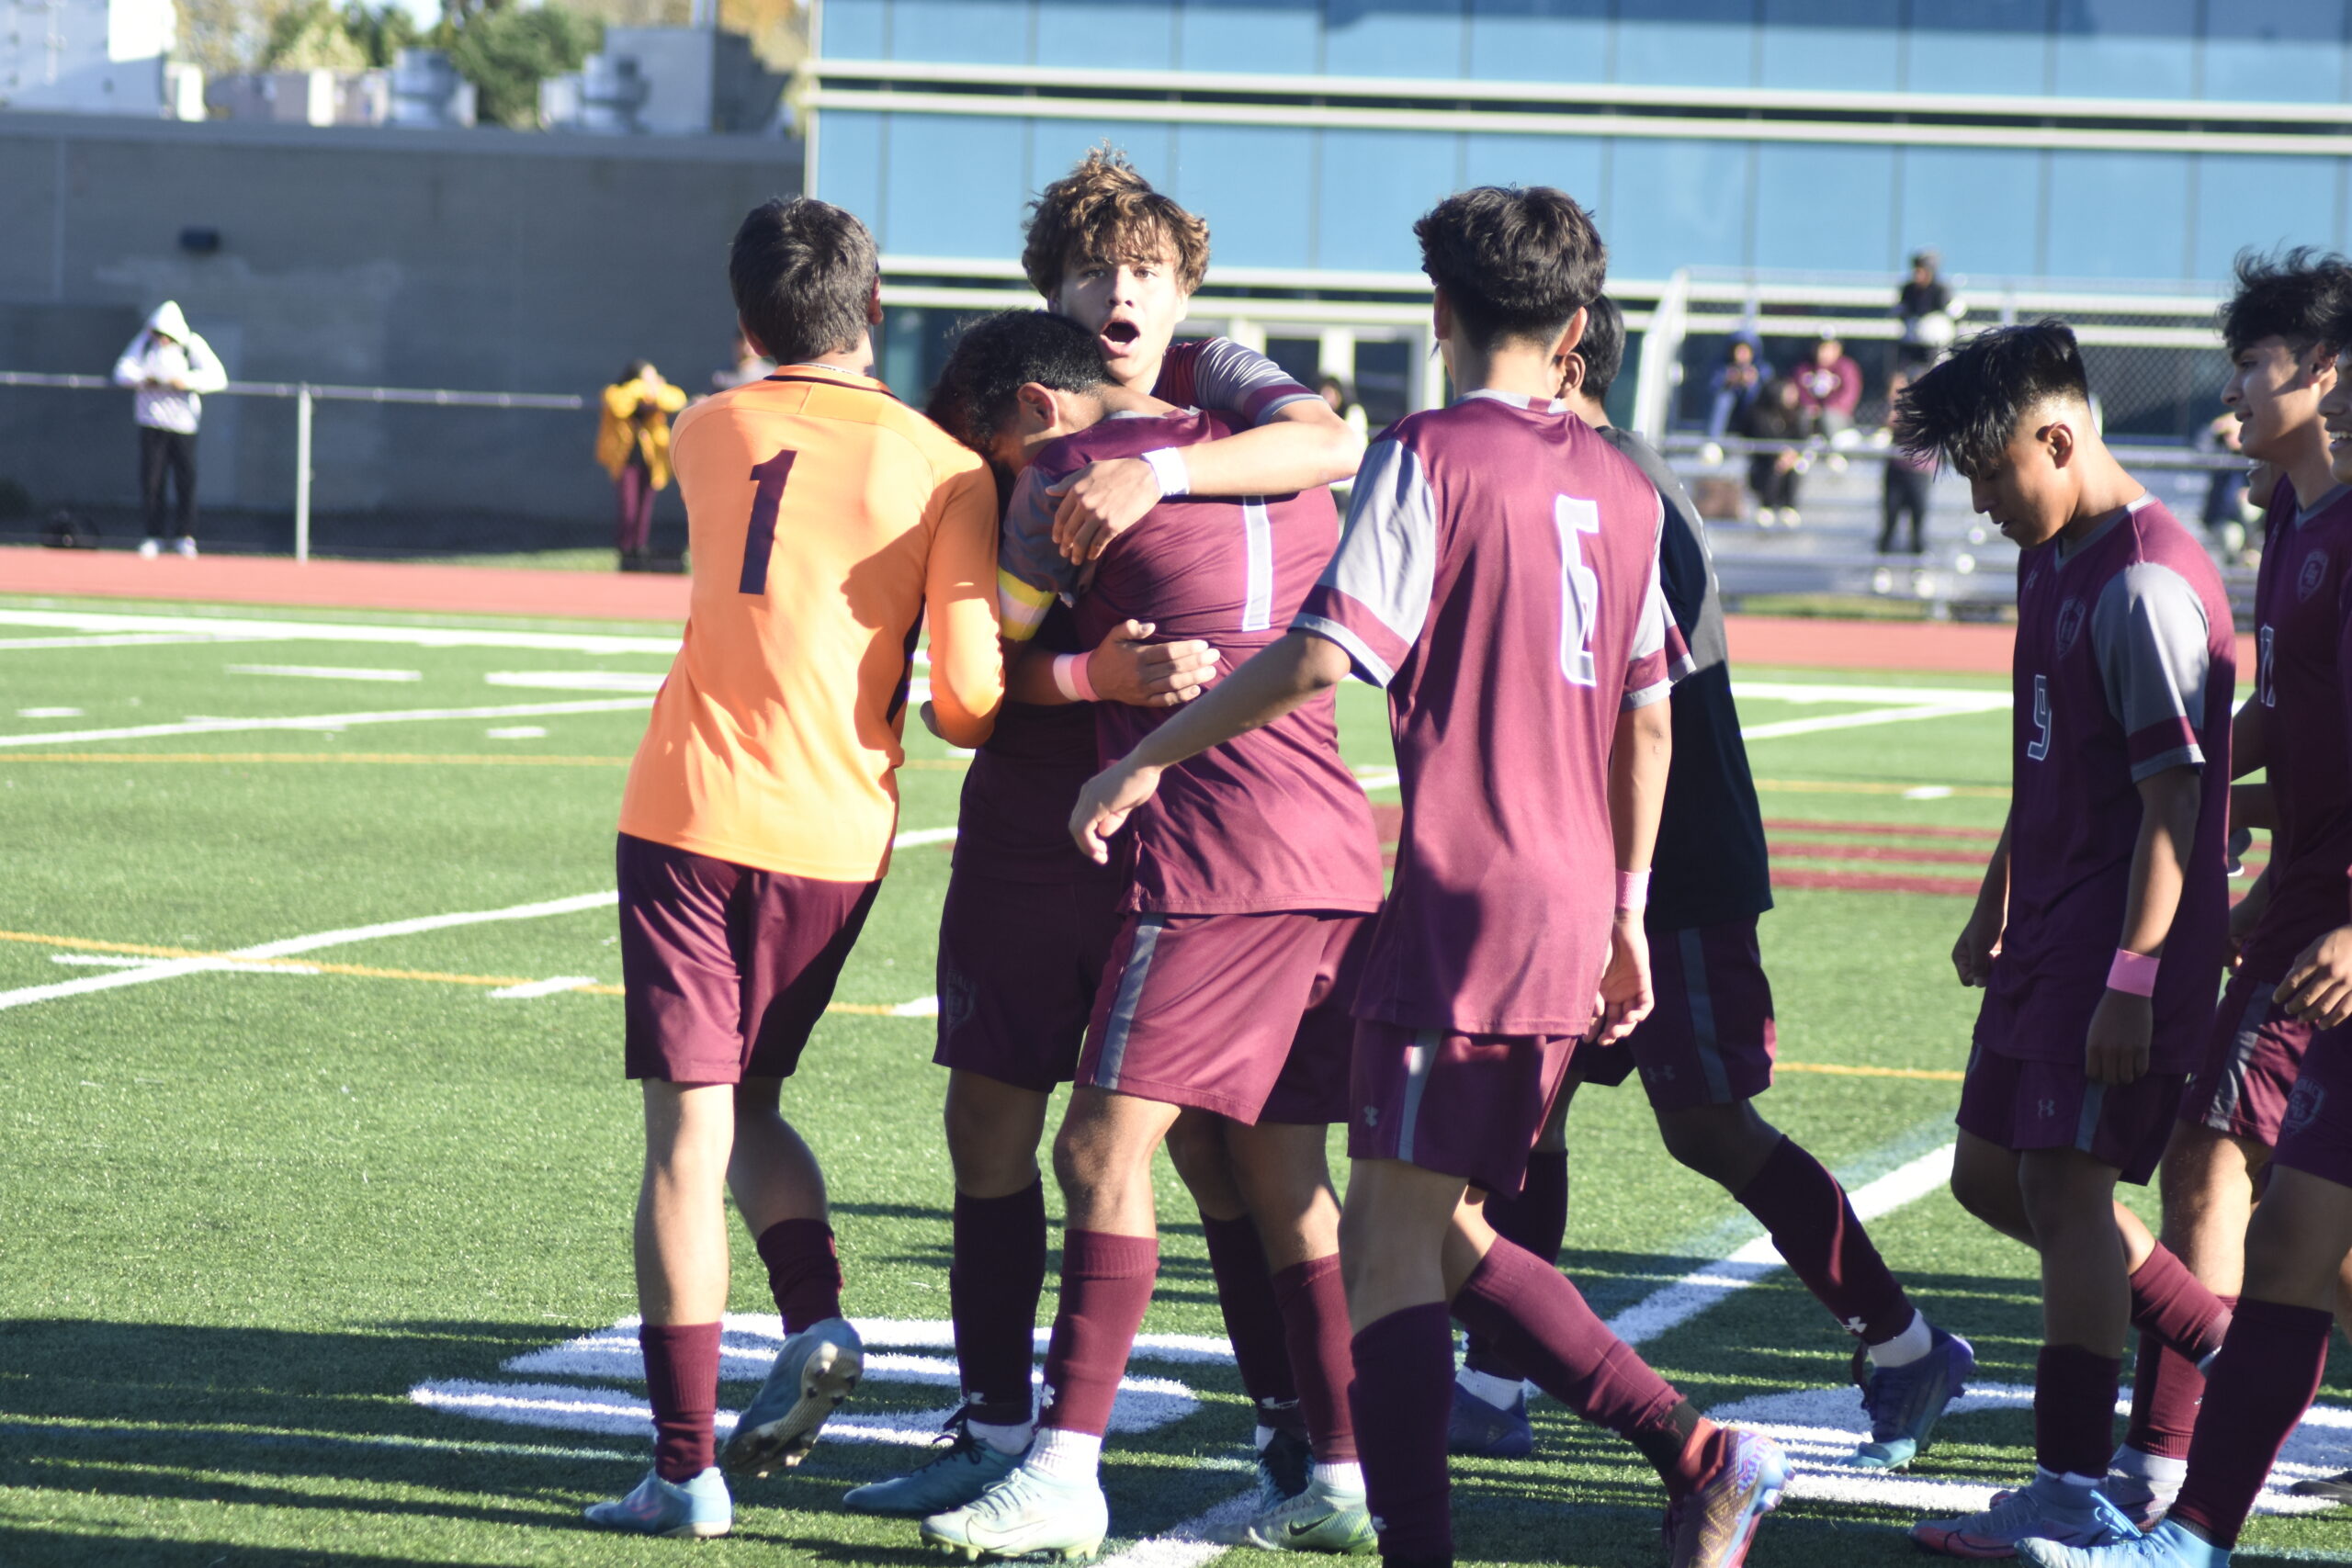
(2314, 572)
(2303, 1106)
(2071, 616)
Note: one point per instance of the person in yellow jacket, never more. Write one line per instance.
(633, 444)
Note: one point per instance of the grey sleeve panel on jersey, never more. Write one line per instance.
(1387, 555)
(2149, 631)
(1649, 632)
(1242, 382)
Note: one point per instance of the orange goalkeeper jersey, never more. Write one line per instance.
(827, 521)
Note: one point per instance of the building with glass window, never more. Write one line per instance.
(1773, 161)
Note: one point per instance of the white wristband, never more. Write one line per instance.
(1168, 468)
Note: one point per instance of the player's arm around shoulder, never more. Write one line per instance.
(960, 600)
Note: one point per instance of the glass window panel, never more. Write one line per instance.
(1691, 209)
(1824, 208)
(2276, 50)
(2118, 215)
(2260, 202)
(1117, 34)
(1980, 208)
(1257, 36)
(856, 29)
(1540, 40)
(1055, 145)
(1852, 46)
(849, 162)
(1301, 358)
(1998, 47)
(962, 32)
(1393, 37)
(955, 185)
(1574, 164)
(1688, 43)
(1384, 379)
(1375, 184)
(2125, 49)
(1252, 184)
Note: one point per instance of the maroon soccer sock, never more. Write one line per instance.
(1106, 1285)
(1536, 1222)
(681, 1383)
(1534, 1316)
(1402, 1396)
(1817, 1231)
(993, 1283)
(1253, 1321)
(2172, 1304)
(803, 1271)
(2267, 1374)
(1315, 1327)
(2073, 1410)
(2166, 1385)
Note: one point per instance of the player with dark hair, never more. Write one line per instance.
(1028, 923)
(831, 526)
(1707, 1050)
(1243, 911)
(1498, 577)
(2283, 328)
(2098, 928)
(2270, 1366)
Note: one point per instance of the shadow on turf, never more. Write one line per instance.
(32, 1546)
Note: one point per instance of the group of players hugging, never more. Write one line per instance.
(1168, 888)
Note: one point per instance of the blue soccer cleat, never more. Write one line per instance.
(2050, 1510)
(1904, 1402)
(697, 1510)
(1713, 1527)
(1489, 1431)
(968, 1467)
(1028, 1515)
(2166, 1546)
(817, 1369)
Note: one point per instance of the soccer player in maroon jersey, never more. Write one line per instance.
(2098, 928)
(1028, 923)
(2278, 327)
(1707, 1050)
(1498, 578)
(1244, 905)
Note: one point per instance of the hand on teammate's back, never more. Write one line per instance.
(1127, 667)
(2318, 987)
(2116, 1049)
(1101, 502)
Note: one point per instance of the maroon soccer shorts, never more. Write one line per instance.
(2024, 1105)
(2315, 1133)
(2250, 1064)
(726, 969)
(1710, 1040)
(1465, 1105)
(1244, 1015)
(1019, 965)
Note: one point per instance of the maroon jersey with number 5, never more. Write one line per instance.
(2125, 666)
(1499, 576)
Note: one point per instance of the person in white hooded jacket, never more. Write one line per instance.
(169, 366)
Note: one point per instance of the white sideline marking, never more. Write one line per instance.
(1970, 697)
(320, 721)
(325, 673)
(915, 837)
(49, 712)
(226, 965)
(921, 1007)
(1862, 720)
(554, 987)
(516, 732)
(286, 947)
(116, 639)
(209, 629)
(647, 681)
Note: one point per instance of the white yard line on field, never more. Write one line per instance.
(325, 673)
(1862, 720)
(212, 627)
(323, 721)
(1970, 697)
(109, 639)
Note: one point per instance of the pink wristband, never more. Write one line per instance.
(1633, 891)
(1071, 677)
(2134, 974)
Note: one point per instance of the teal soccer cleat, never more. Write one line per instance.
(817, 1369)
(698, 1509)
(1713, 1526)
(1319, 1519)
(966, 1468)
(1026, 1515)
(2166, 1546)
(2050, 1510)
(1904, 1402)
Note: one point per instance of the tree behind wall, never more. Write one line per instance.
(506, 51)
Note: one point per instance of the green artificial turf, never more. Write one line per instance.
(249, 1213)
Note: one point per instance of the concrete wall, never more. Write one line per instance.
(470, 260)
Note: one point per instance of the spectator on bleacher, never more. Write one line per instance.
(2226, 491)
(633, 444)
(169, 368)
(1775, 415)
(1829, 386)
(1334, 393)
(1930, 313)
(1732, 388)
(1907, 481)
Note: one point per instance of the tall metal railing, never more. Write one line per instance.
(307, 394)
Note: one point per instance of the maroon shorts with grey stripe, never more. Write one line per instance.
(1244, 1015)
(2250, 1065)
(1711, 1039)
(2315, 1133)
(726, 970)
(2024, 1105)
(1465, 1105)
(1019, 967)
